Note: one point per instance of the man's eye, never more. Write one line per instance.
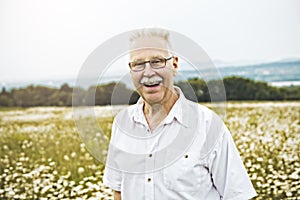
(157, 61)
(138, 64)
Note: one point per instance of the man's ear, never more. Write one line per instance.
(175, 64)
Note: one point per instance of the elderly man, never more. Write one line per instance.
(165, 146)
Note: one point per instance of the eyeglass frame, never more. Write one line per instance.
(149, 61)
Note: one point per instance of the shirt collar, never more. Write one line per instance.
(138, 115)
(176, 112)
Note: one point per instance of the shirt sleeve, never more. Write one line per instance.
(112, 177)
(227, 170)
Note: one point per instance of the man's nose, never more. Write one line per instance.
(148, 71)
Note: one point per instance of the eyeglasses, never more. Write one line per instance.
(155, 63)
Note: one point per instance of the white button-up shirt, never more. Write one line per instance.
(190, 155)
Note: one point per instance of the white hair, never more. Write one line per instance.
(151, 32)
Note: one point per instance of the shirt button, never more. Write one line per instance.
(186, 156)
(150, 155)
(149, 179)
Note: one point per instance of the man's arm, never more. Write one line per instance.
(112, 178)
(117, 195)
(228, 172)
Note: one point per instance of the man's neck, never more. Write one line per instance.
(156, 113)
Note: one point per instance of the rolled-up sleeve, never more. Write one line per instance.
(227, 170)
(112, 178)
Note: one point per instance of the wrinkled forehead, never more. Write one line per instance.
(143, 46)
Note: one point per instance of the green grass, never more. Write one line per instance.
(42, 155)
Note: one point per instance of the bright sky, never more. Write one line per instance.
(42, 39)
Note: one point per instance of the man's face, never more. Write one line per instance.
(154, 85)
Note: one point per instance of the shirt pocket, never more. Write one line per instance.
(185, 174)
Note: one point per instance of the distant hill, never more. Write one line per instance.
(279, 73)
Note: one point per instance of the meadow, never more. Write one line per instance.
(43, 157)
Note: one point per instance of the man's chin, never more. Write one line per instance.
(152, 98)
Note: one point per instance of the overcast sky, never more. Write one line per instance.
(51, 39)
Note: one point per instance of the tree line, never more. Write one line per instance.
(237, 89)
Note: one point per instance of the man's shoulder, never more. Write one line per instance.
(200, 109)
(126, 112)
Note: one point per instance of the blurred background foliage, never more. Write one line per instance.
(237, 89)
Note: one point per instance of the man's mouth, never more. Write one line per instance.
(151, 82)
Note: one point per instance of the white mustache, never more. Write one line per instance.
(151, 80)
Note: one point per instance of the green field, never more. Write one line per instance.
(42, 155)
